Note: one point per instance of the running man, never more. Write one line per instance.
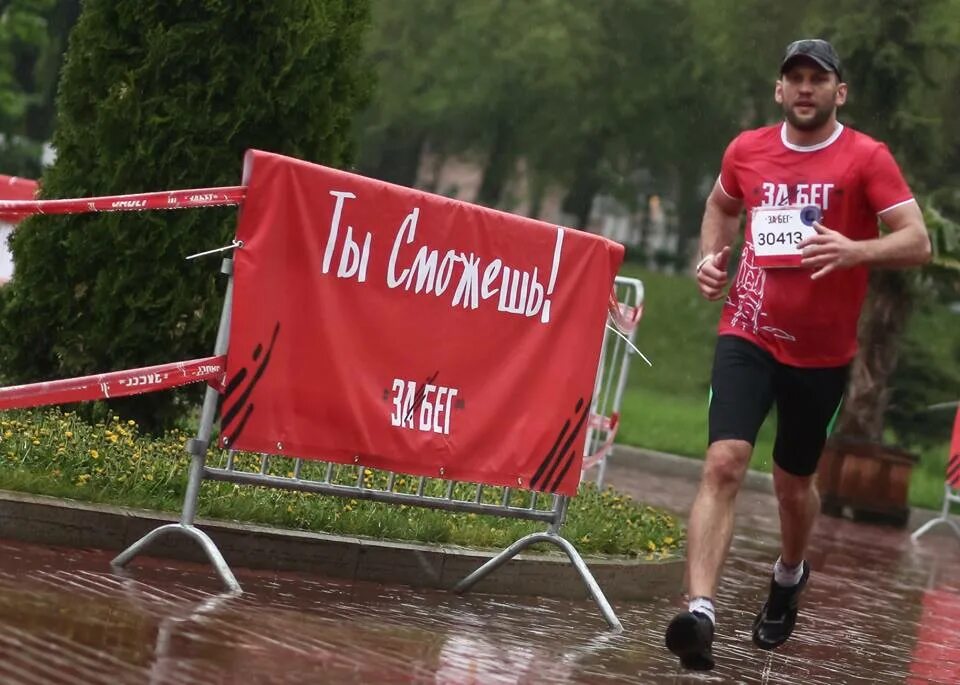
(813, 190)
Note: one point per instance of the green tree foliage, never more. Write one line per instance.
(44, 68)
(486, 80)
(891, 55)
(634, 97)
(158, 96)
(895, 54)
(23, 38)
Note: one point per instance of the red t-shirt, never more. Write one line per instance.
(852, 178)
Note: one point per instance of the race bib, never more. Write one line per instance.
(778, 230)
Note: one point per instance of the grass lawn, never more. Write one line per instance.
(665, 407)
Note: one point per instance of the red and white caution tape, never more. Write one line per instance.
(604, 423)
(115, 383)
(624, 316)
(167, 199)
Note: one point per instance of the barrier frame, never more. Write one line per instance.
(197, 447)
(611, 380)
(951, 483)
(949, 496)
(199, 471)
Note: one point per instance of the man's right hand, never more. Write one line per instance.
(712, 274)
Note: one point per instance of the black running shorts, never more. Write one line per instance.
(745, 383)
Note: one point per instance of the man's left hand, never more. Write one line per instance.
(829, 250)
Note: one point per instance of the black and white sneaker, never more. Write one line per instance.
(690, 637)
(775, 622)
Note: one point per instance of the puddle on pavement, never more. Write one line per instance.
(878, 610)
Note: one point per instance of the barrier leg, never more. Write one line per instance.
(602, 470)
(944, 517)
(209, 548)
(503, 557)
(197, 448)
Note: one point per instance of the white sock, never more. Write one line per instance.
(703, 605)
(787, 576)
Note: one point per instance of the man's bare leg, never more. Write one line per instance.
(799, 505)
(710, 527)
(709, 531)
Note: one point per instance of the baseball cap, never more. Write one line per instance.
(817, 49)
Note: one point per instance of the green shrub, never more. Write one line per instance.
(158, 96)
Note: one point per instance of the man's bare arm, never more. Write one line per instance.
(721, 221)
(907, 244)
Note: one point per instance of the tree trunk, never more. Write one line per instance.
(882, 325)
(399, 159)
(689, 204)
(499, 165)
(578, 201)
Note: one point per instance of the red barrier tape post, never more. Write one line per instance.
(115, 384)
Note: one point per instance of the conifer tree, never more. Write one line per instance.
(157, 96)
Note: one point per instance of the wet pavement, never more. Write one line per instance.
(878, 610)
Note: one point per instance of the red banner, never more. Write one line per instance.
(406, 331)
(953, 463)
(15, 188)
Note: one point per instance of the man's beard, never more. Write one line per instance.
(821, 117)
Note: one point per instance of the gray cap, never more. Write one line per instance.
(820, 51)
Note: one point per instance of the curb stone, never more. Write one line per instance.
(53, 521)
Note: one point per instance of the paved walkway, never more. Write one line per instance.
(879, 610)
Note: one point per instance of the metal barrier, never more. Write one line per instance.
(612, 370)
(951, 486)
(327, 478)
(949, 496)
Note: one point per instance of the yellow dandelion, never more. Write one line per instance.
(69, 434)
(94, 454)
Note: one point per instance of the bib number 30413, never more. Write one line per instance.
(777, 231)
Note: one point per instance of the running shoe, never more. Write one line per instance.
(690, 637)
(775, 622)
